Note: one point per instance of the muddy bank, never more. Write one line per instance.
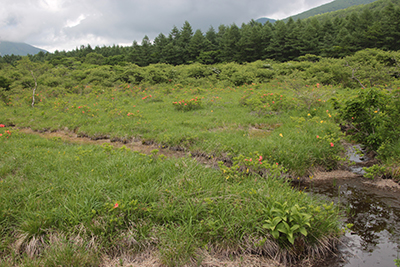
(211, 161)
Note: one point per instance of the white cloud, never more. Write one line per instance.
(67, 24)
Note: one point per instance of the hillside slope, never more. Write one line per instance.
(330, 7)
(18, 49)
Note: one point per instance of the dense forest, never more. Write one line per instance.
(326, 35)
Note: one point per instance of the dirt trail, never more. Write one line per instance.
(138, 146)
(204, 159)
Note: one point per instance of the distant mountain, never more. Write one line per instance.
(263, 20)
(329, 7)
(18, 49)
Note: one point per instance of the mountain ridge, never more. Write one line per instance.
(18, 49)
(325, 8)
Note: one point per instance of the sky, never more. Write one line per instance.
(68, 24)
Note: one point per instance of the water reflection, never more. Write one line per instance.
(374, 239)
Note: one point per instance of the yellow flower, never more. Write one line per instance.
(322, 121)
(376, 111)
(281, 135)
(308, 114)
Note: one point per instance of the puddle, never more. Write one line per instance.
(355, 154)
(374, 240)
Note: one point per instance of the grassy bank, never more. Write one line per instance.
(296, 130)
(66, 204)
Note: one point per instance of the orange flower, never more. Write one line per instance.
(116, 205)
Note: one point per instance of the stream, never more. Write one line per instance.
(374, 238)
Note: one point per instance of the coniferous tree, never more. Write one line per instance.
(184, 40)
(160, 42)
(197, 44)
(229, 44)
(211, 36)
(276, 48)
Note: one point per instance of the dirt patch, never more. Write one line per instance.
(321, 176)
(208, 160)
(150, 258)
(337, 174)
(134, 145)
(144, 147)
(383, 184)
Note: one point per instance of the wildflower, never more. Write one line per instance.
(2, 125)
(1, 134)
(116, 205)
(260, 158)
(317, 136)
(281, 135)
(375, 111)
(322, 121)
(332, 145)
(308, 114)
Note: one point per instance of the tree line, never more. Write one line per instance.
(330, 37)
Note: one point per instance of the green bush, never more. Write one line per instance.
(188, 105)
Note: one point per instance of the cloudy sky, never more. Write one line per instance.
(67, 24)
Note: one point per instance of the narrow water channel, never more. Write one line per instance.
(374, 238)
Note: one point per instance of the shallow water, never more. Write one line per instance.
(374, 240)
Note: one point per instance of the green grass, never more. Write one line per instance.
(59, 199)
(285, 131)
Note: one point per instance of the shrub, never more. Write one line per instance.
(187, 105)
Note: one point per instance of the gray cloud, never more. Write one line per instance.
(67, 24)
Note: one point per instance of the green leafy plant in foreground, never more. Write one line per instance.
(287, 223)
(374, 171)
(397, 262)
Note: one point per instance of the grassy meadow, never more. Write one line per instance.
(68, 204)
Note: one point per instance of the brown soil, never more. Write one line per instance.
(134, 145)
(208, 160)
(343, 174)
(150, 258)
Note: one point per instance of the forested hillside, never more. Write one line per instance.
(330, 7)
(376, 26)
